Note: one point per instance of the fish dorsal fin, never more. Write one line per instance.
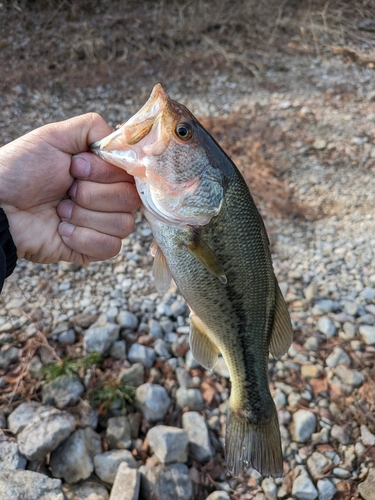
(202, 348)
(203, 253)
(282, 331)
(160, 270)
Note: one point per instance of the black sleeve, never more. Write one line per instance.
(8, 251)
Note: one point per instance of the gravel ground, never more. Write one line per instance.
(316, 118)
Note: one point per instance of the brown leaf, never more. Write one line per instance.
(214, 468)
(208, 392)
(319, 385)
(194, 475)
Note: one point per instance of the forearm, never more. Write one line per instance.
(8, 251)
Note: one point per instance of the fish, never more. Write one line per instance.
(211, 239)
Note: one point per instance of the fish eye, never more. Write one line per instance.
(184, 131)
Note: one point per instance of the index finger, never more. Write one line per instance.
(89, 167)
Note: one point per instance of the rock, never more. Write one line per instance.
(3, 420)
(134, 376)
(86, 416)
(141, 354)
(89, 490)
(118, 350)
(184, 379)
(178, 308)
(279, 398)
(368, 439)
(338, 357)
(10, 457)
(269, 488)
(100, 338)
(8, 355)
(127, 483)
(326, 489)
(326, 326)
(218, 495)
(303, 488)
(303, 425)
(83, 320)
(340, 433)
(153, 401)
(39, 438)
(161, 349)
(166, 482)
(34, 367)
(155, 330)
(73, 459)
(63, 391)
(107, 463)
(25, 414)
(189, 398)
(368, 334)
(367, 488)
(67, 337)
(169, 444)
(320, 144)
(341, 473)
(135, 420)
(25, 484)
(127, 319)
(350, 377)
(199, 439)
(221, 368)
(316, 464)
(118, 433)
(311, 371)
(348, 332)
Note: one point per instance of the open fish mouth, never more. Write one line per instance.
(143, 134)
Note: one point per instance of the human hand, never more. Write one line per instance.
(41, 170)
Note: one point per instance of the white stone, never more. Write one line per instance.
(153, 401)
(338, 357)
(127, 483)
(303, 488)
(107, 463)
(141, 354)
(326, 489)
(169, 444)
(326, 326)
(368, 438)
(368, 334)
(199, 439)
(303, 425)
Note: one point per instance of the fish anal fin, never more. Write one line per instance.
(202, 348)
(160, 269)
(203, 253)
(253, 445)
(282, 331)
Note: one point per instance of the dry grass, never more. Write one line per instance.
(98, 41)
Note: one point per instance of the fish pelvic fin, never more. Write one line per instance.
(202, 348)
(282, 331)
(256, 445)
(160, 269)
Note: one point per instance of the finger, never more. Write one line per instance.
(90, 167)
(96, 245)
(114, 224)
(76, 134)
(118, 197)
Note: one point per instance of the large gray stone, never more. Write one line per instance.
(153, 401)
(63, 391)
(25, 414)
(39, 438)
(189, 398)
(166, 482)
(316, 464)
(73, 460)
(199, 439)
(303, 425)
(170, 444)
(367, 488)
(326, 489)
(88, 490)
(118, 433)
(368, 334)
(303, 488)
(100, 338)
(127, 319)
(133, 376)
(141, 354)
(10, 457)
(338, 357)
(8, 355)
(127, 483)
(28, 485)
(106, 464)
(326, 326)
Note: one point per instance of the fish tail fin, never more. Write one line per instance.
(256, 445)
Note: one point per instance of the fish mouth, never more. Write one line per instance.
(141, 135)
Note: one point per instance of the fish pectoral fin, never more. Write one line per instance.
(202, 348)
(160, 270)
(203, 253)
(249, 444)
(282, 331)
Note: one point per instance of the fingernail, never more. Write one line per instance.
(73, 190)
(65, 210)
(66, 229)
(80, 167)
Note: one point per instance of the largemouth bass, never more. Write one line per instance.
(210, 237)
